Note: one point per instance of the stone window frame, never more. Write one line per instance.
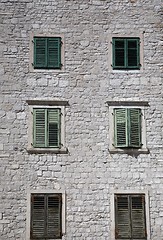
(127, 104)
(31, 52)
(127, 35)
(45, 191)
(135, 192)
(41, 103)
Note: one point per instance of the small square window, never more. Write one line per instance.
(130, 217)
(126, 53)
(47, 53)
(46, 216)
(46, 126)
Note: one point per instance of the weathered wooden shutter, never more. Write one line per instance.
(118, 53)
(120, 127)
(39, 130)
(133, 59)
(54, 52)
(46, 214)
(122, 216)
(40, 52)
(134, 122)
(54, 216)
(138, 222)
(38, 217)
(54, 122)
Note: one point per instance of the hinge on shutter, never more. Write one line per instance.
(33, 41)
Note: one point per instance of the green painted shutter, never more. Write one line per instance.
(134, 122)
(54, 123)
(39, 131)
(38, 217)
(54, 52)
(118, 53)
(54, 216)
(133, 59)
(120, 128)
(138, 217)
(40, 52)
(122, 216)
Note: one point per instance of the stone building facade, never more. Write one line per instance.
(87, 169)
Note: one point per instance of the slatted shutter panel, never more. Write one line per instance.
(54, 127)
(38, 217)
(133, 60)
(118, 53)
(134, 118)
(120, 120)
(39, 130)
(54, 52)
(40, 52)
(122, 214)
(54, 216)
(138, 217)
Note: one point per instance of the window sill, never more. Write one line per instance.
(130, 151)
(62, 150)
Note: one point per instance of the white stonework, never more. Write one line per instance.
(87, 173)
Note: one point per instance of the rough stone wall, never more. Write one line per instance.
(88, 173)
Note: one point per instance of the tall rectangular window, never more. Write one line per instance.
(127, 127)
(126, 53)
(46, 216)
(46, 127)
(47, 52)
(130, 217)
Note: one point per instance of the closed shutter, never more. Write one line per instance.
(130, 222)
(54, 53)
(54, 216)
(39, 131)
(120, 120)
(38, 217)
(138, 217)
(134, 127)
(122, 212)
(46, 213)
(40, 52)
(133, 53)
(118, 53)
(54, 127)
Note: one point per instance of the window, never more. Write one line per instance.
(46, 126)
(47, 52)
(126, 53)
(127, 127)
(46, 214)
(130, 219)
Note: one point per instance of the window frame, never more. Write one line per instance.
(127, 104)
(45, 192)
(32, 68)
(129, 192)
(46, 104)
(129, 34)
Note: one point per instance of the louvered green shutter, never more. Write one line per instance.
(54, 216)
(40, 52)
(122, 216)
(120, 127)
(133, 58)
(54, 53)
(54, 123)
(134, 122)
(38, 217)
(118, 53)
(138, 222)
(39, 131)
